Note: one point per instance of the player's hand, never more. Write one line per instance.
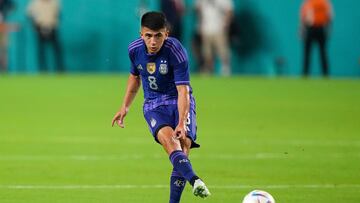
(180, 132)
(119, 117)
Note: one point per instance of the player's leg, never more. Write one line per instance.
(177, 181)
(159, 120)
(161, 125)
(199, 187)
(180, 161)
(177, 157)
(177, 185)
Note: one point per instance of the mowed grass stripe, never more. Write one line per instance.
(158, 156)
(95, 187)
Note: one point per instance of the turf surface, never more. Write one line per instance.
(297, 139)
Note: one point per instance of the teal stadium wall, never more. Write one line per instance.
(95, 35)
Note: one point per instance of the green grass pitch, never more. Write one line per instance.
(295, 138)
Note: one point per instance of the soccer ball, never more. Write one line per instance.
(258, 196)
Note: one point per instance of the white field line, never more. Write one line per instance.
(162, 156)
(226, 187)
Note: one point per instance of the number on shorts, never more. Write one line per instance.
(188, 122)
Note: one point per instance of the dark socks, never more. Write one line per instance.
(183, 166)
(177, 185)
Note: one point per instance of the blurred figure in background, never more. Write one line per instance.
(5, 7)
(174, 10)
(316, 17)
(45, 17)
(215, 18)
(196, 44)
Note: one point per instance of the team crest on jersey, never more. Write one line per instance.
(139, 67)
(151, 67)
(163, 69)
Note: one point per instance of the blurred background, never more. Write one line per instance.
(275, 124)
(93, 36)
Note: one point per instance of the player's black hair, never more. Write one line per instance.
(154, 20)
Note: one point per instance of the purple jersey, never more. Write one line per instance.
(160, 72)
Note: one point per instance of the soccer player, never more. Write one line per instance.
(160, 63)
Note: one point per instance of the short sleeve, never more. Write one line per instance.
(133, 69)
(181, 74)
(179, 61)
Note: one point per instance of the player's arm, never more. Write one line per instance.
(132, 88)
(183, 108)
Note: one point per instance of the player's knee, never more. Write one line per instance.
(170, 144)
(168, 140)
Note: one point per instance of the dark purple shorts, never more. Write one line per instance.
(167, 115)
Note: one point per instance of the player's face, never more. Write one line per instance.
(154, 39)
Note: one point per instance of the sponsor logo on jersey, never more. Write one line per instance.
(151, 67)
(139, 67)
(163, 69)
(152, 122)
